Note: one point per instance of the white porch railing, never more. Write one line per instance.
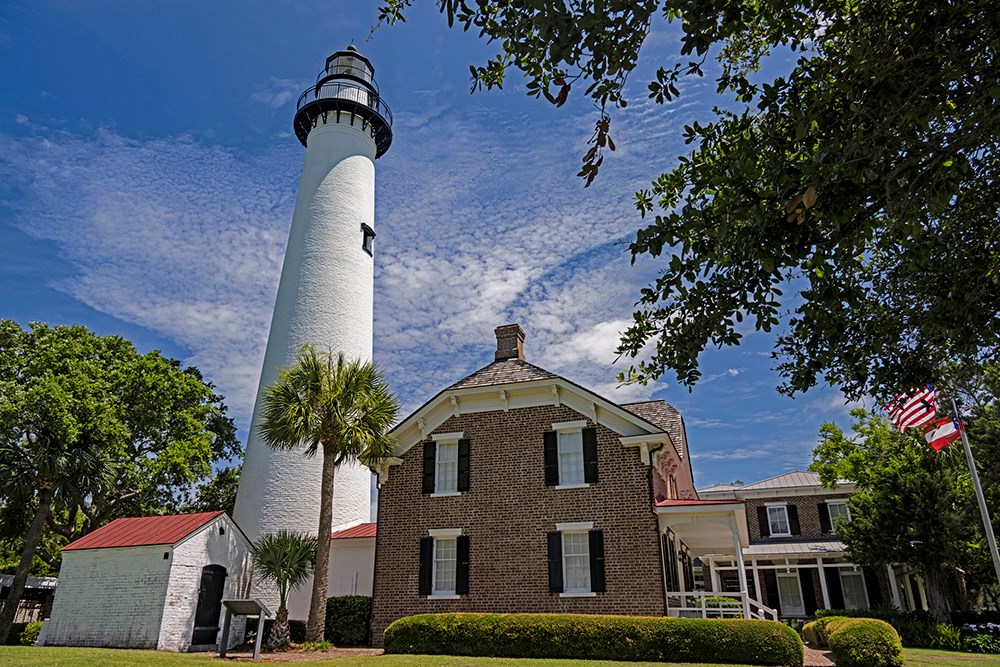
(708, 604)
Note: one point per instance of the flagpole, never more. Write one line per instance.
(980, 498)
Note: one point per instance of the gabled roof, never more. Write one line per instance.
(796, 478)
(354, 532)
(665, 416)
(507, 371)
(144, 531)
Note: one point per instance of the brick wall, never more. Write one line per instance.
(507, 513)
(206, 547)
(808, 515)
(109, 597)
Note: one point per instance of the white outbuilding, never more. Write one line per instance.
(151, 582)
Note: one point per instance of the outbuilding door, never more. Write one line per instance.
(206, 616)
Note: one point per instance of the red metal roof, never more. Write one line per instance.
(143, 531)
(361, 530)
(683, 503)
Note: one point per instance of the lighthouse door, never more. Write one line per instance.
(206, 616)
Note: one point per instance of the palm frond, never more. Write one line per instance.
(285, 558)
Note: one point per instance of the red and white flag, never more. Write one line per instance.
(917, 410)
(943, 432)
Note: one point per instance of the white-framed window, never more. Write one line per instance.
(777, 521)
(790, 594)
(446, 467)
(570, 445)
(838, 510)
(853, 584)
(576, 562)
(445, 566)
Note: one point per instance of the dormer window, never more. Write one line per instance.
(368, 239)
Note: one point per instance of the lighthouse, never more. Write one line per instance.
(326, 290)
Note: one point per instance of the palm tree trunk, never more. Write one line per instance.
(31, 541)
(321, 573)
(279, 637)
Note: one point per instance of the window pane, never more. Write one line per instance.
(445, 551)
(790, 594)
(446, 475)
(778, 518)
(853, 584)
(571, 457)
(838, 511)
(576, 562)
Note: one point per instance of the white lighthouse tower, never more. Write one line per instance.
(325, 294)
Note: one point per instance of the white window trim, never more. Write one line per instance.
(445, 439)
(444, 532)
(578, 595)
(570, 426)
(838, 502)
(788, 521)
(853, 571)
(448, 437)
(792, 574)
(575, 527)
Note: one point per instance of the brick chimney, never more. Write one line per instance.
(510, 342)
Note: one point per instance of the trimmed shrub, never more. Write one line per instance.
(821, 628)
(347, 620)
(916, 629)
(30, 633)
(586, 637)
(864, 642)
(810, 635)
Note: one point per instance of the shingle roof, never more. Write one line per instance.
(143, 531)
(507, 371)
(664, 415)
(361, 530)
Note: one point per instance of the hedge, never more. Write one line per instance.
(30, 633)
(864, 642)
(586, 637)
(347, 620)
(916, 629)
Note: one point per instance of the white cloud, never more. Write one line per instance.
(279, 92)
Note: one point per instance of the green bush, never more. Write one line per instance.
(864, 642)
(981, 643)
(584, 637)
(347, 620)
(821, 629)
(916, 629)
(810, 635)
(30, 633)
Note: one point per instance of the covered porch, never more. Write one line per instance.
(701, 531)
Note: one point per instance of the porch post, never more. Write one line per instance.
(893, 586)
(740, 567)
(716, 584)
(822, 584)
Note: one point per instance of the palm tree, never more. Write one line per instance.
(342, 408)
(285, 558)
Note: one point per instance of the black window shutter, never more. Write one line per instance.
(874, 592)
(463, 465)
(825, 524)
(834, 588)
(555, 562)
(551, 461)
(462, 565)
(430, 461)
(590, 455)
(596, 538)
(426, 563)
(808, 590)
(793, 520)
(765, 526)
(771, 588)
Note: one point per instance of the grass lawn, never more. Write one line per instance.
(97, 657)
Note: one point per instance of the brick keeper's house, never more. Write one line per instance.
(516, 490)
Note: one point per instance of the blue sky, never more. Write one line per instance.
(148, 175)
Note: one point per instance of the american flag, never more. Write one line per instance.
(916, 410)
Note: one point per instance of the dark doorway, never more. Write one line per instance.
(206, 616)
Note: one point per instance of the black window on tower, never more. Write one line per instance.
(368, 239)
